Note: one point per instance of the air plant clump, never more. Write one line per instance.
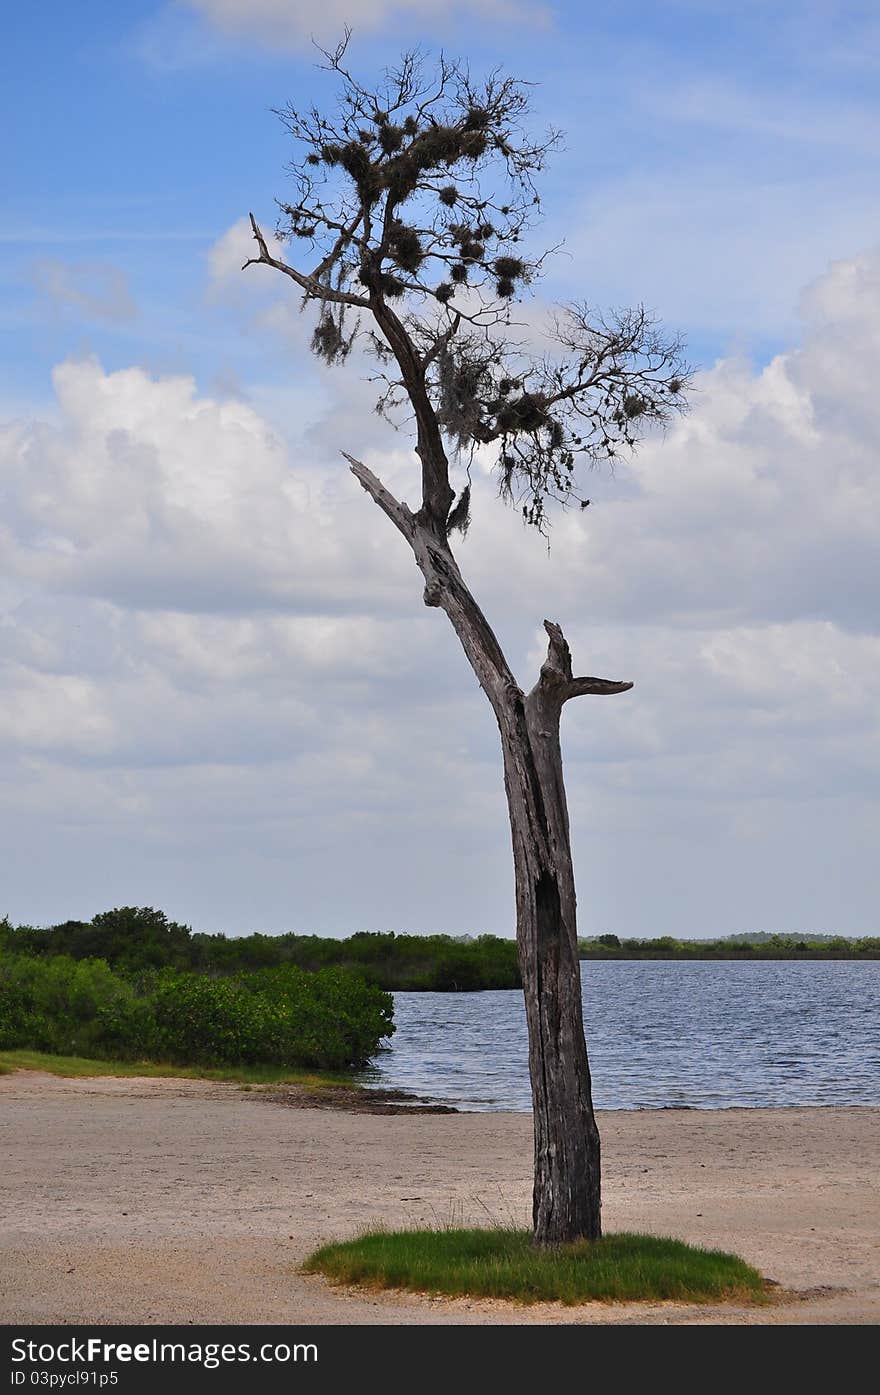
(444, 292)
(391, 285)
(429, 148)
(473, 145)
(459, 273)
(556, 433)
(470, 240)
(510, 268)
(378, 281)
(356, 161)
(399, 177)
(405, 248)
(390, 138)
(443, 145)
(448, 195)
(632, 406)
(461, 384)
(328, 338)
(472, 251)
(525, 413)
(476, 119)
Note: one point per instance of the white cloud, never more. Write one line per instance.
(213, 642)
(148, 495)
(842, 299)
(52, 712)
(297, 21)
(762, 505)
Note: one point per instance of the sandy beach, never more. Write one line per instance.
(172, 1201)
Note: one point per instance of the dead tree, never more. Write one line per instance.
(412, 203)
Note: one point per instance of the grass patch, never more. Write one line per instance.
(81, 1067)
(502, 1263)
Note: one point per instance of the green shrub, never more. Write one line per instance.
(332, 1019)
(69, 1007)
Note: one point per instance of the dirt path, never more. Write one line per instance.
(175, 1201)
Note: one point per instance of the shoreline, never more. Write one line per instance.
(170, 1200)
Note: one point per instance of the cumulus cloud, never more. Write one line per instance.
(762, 505)
(149, 495)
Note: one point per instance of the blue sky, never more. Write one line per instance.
(733, 143)
(720, 166)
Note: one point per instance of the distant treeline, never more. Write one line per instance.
(134, 939)
(753, 946)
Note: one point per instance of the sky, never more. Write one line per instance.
(222, 695)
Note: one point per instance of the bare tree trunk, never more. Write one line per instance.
(567, 1190)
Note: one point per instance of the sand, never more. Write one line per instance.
(172, 1201)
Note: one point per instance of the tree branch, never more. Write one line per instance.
(442, 341)
(400, 514)
(445, 587)
(556, 680)
(579, 687)
(437, 493)
(317, 289)
(556, 669)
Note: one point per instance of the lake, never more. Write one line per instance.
(660, 1033)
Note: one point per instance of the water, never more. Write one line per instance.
(704, 1034)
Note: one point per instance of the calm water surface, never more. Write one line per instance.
(706, 1034)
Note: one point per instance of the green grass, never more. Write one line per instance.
(503, 1263)
(79, 1066)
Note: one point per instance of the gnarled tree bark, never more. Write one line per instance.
(567, 1189)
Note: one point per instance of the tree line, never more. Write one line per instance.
(757, 945)
(135, 939)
